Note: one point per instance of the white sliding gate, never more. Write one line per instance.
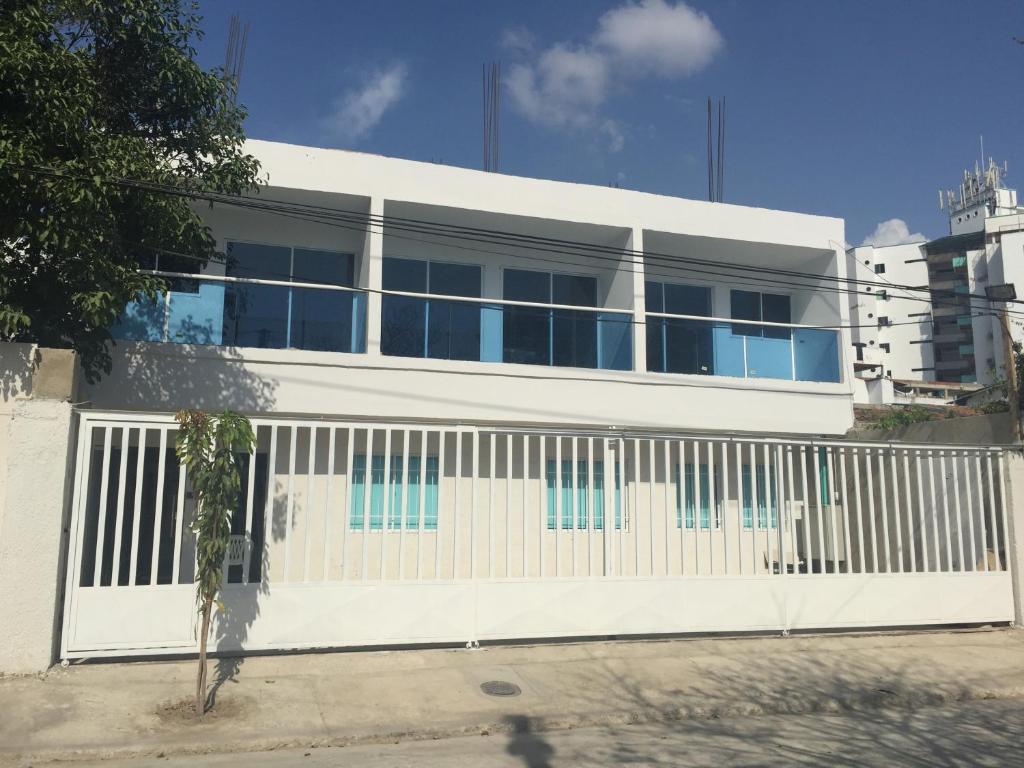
(355, 534)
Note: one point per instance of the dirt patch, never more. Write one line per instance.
(183, 712)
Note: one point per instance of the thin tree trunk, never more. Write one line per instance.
(201, 676)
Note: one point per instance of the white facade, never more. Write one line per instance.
(891, 327)
(590, 231)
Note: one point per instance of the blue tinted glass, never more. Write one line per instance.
(656, 343)
(325, 267)
(817, 354)
(256, 315)
(687, 300)
(745, 305)
(197, 312)
(770, 357)
(574, 290)
(775, 309)
(615, 341)
(322, 320)
(728, 351)
(654, 299)
(526, 285)
(455, 279)
(403, 326)
(404, 275)
(688, 347)
(142, 320)
(526, 335)
(453, 330)
(574, 342)
(261, 262)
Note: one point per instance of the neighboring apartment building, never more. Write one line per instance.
(932, 347)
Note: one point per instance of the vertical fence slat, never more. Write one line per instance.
(158, 514)
(293, 434)
(740, 531)
(923, 527)
(385, 512)
(790, 521)
(102, 513)
(268, 506)
(712, 507)
(726, 526)
(808, 565)
(364, 565)
(475, 469)
(910, 511)
(755, 507)
(310, 503)
(179, 520)
(945, 510)
(680, 513)
(872, 527)
(250, 487)
(861, 548)
(1002, 461)
(780, 509)
(508, 505)
(845, 507)
(894, 475)
(438, 540)
(403, 501)
(332, 435)
(591, 506)
(140, 454)
(766, 474)
(455, 512)
(559, 505)
(635, 529)
(955, 461)
(542, 510)
(346, 512)
(608, 523)
(623, 498)
(421, 501)
(883, 503)
(819, 505)
(935, 510)
(492, 472)
(981, 511)
(969, 494)
(697, 498)
(650, 497)
(992, 508)
(122, 478)
(574, 503)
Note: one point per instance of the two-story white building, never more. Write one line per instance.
(490, 407)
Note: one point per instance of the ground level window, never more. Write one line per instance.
(391, 498)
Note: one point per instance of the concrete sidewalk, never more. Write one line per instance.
(100, 710)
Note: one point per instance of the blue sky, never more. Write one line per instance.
(861, 110)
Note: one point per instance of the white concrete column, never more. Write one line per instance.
(371, 275)
(636, 244)
(1014, 549)
(36, 439)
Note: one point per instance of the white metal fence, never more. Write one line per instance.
(367, 534)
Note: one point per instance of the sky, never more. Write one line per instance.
(860, 110)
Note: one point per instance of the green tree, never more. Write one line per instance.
(208, 446)
(96, 95)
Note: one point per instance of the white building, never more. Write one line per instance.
(487, 407)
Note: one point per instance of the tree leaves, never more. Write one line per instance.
(93, 92)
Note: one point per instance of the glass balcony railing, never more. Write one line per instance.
(247, 313)
(511, 332)
(713, 347)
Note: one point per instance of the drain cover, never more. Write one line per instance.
(500, 688)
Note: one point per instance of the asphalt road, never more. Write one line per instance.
(986, 733)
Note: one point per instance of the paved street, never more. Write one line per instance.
(979, 733)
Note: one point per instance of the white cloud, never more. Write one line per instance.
(670, 40)
(359, 110)
(892, 232)
(565, 85)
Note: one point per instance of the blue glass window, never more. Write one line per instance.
(540, 336)
(414, 327)
(394, 484)
(678, 345)
(581, 495)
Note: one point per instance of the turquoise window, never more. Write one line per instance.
(394, 495)
(689, 488)
(581, 495)
(767, 503)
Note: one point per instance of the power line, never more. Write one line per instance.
(359, 222)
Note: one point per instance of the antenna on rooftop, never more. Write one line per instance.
(234, 56)
(492, 114)
(716, 155)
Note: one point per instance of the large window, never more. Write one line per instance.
(540, 336)
(280, 317)
(762, 307)
(386, 494)
(677, 345)
(413, 327)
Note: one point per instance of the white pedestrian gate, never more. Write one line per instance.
(365, 534)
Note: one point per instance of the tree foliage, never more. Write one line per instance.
(208, 446)
(92, 93)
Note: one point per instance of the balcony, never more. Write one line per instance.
(748, 350)
(242, 312)
(502, 331)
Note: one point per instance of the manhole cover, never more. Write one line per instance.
(500, 688)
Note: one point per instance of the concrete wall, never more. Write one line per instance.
(35, 466)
